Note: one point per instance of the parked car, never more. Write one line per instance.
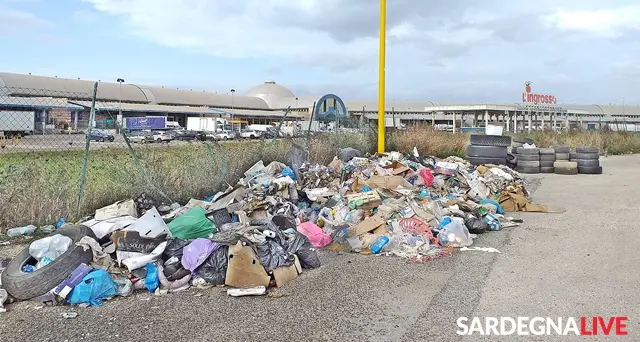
(271, 133)
(101, 136)
(140, 137)
(225, 135)
(190, 135)
(162, 136)
(250, 134)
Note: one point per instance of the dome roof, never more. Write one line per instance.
(270, 92)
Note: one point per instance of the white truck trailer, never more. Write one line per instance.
(16, 123)
(206, 124)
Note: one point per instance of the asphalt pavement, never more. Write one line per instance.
(581, 262)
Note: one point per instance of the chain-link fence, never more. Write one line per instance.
(65, 154)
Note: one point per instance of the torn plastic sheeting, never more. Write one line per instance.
(316, 236)
(192, 225)
(133, 261)
(100, 258)
(94, 288)
(214, 270)
(49, 247)
(173, 286)
(197, 252)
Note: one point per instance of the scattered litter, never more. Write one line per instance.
(482, 249)
(69, 315)
(251, 291)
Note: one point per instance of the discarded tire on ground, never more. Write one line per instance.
(486, 151)
(523, 163)
(530, 151)
(490, 140)
(529, 157)
(544, 163)
(585, 156)
(524, 140)
(566, 168)
(24, 286)
(531, 170)
(486, 160)
(587, 149)
(549, 151)
(546, 169)
(563, 156)
(548, 157)
(590, 170)
(512, 158)
(561, 149)
(588, 162)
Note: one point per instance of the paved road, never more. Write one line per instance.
(582, 262)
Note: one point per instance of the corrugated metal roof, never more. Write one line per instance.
(252, 112)
(200, 98)
(38, 102)
(136, 107)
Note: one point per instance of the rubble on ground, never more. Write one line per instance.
(266, 230)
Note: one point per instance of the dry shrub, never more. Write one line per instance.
(430, 142)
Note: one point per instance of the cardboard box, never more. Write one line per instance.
(397, 168)
(74, 279)
(132, 241)
(370, 199)
(369, 224)
(388, 182)
(244, 268)
(284, 275)
(118, 209)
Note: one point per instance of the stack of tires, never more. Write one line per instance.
(587, 159)
(528, 160)
(488, 149)
(547, 158)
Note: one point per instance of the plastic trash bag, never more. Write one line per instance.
(316, 236)
(197, 252)
(475, 225)
(346, 154)
(192, 225)
(493, 222)
(272, 255)
(124, 286)
(302, 247)
(51, 246)
(152, 280)
(173, 285)
(214, 270)
(455, 234)
(427, 177)
(175, 248)
(288, 172)
(95, 287)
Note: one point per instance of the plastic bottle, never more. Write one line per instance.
(379, 244)
(28, 230)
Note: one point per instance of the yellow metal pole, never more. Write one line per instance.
(381, 92)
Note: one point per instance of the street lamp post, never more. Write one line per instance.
(381, 74)
(233, 91)
(119, 121)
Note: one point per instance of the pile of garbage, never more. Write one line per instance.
(266, 230)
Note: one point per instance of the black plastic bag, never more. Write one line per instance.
(174, 248)
(302, 247)
(346, 154)
(272, 255)
(214, 270)
(475, 225)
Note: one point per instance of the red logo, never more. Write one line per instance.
(529, 97)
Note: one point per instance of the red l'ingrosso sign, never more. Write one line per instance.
(533, 98)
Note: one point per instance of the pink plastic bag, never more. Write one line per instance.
(316, 236)
(427, 177)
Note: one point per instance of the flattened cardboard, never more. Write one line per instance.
(397, 168)
(244, 269)
(380, 230)
(283, 275)
(388, 182)
(258, 214)
(118, 209)
(369, 224)
(132, 241)
(370, 199)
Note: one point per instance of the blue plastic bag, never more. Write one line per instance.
(287, 171)
(366, 188)
(94, 288)
(152, 281)
(499, 209)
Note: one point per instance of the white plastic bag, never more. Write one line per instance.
(51, 246)
(455, 234)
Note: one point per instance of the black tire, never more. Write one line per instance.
(565, 165)
(490, 140)
(528, 157)
(544, 169)
(546, 164)
(587, 149)
(590, 170)
(101, 140)
(534, 151)
(588, 162)
(547, 151)
(563, 156)
(548, 157)
(512, 158)
(528, 164)
(524, 140)
(486, 151)
(486, 160)
(159, 141)
(530, 170)
(585, 156)
(561, 149)
(25, 286)
(566, 171)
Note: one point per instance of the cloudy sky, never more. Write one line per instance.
(583, 51)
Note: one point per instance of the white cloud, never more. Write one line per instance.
(604, 22)
(16, 21)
